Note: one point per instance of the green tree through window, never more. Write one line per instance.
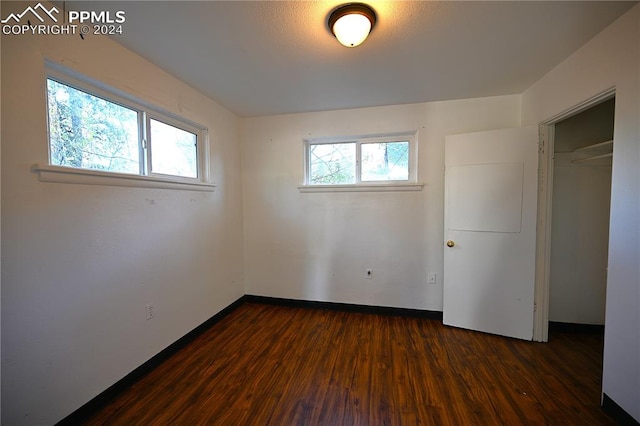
(333, 163)
(89, 132)
(381, 159)
(385, 161)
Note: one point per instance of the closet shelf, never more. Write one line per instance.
(592, 158)
(598, 151)
(594, 146)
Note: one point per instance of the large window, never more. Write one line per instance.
(366, 160)
(96, 129)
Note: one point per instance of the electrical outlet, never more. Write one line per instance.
(433, 278)
(369, 273)
(150, 311)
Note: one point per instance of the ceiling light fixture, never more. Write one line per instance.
(352, 23)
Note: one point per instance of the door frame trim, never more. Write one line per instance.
(546, 134)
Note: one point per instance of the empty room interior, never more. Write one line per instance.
(239, 212)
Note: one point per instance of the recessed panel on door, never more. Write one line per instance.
(486, 197)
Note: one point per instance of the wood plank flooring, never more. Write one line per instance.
(272, 365)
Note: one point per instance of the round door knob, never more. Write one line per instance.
(450, 243)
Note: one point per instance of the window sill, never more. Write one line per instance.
(48, 173)
(381, 187)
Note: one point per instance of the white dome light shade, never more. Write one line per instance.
(352, 30)
(351, 23)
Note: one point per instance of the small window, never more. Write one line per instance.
(174, 150)
(89, 132)
(332, 163)
(94, 128)
(387, 159)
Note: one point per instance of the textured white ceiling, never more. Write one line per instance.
(272, 57)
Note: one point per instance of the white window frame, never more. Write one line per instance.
(410, 184)
(146, 112)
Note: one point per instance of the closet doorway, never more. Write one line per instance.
(574, 204)
(583, 150)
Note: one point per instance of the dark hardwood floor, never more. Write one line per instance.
(265, 364)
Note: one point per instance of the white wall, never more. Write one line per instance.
(81, 262)
(579, 240)
(317, 246)
(610, 59)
